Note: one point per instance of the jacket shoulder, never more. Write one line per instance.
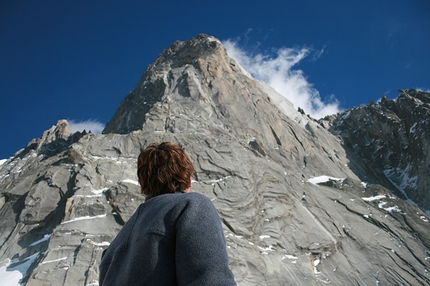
(195, 199)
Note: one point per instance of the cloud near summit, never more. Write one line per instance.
(278, 72)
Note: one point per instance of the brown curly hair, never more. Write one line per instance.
(163, 168)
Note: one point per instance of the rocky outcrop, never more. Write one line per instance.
(294, 208)
(389, 141)
(53, 141)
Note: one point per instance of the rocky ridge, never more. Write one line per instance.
(298, 204)
(391, 140)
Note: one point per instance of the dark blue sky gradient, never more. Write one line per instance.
(78, 59)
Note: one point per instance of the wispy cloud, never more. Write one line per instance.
(88, 125)
(317, 54)
(278, 72)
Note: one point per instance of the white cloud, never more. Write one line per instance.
(88, 125)
(278, 73)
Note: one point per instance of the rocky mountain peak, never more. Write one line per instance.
(301, 202)
(196, 75)
(186, 52)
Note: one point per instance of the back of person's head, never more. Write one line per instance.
(163, 168)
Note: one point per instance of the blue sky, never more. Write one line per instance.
(77, 60)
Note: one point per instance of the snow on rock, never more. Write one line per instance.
(54, 260)
(381, 204)
(103, 243)
(45, 238)
(99, 192)
(388, 209)
(316, 262)
(84, 218)
(374, 198)
(131, 182)
(401, 178)
(14, 270)
(290, 257)
(323, 179)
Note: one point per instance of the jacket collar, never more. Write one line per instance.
(176, 192)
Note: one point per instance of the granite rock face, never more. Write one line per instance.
(297, 203)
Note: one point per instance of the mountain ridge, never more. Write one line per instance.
(395, 132)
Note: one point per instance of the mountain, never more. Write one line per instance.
(302, 201)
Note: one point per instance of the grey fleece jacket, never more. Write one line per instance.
(171, 239)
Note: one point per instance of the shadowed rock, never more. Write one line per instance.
(390, 139)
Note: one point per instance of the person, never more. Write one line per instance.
(175, 237)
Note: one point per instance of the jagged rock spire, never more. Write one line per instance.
(183, 72)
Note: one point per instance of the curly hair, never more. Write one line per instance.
(163, 168)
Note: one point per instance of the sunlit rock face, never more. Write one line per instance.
(299, 205)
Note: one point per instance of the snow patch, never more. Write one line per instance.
(374, 198)
(265, 250)
(323, 179)
(2, 161)
(316, 262)
(212, 39)
(388, 209)
(214, 181)
(84, 218)
(99, 192)
(103, 243)
(55, 260)
(131, 182)
(45, 238)
(14, 270)
(291, 257)
(381, 204)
